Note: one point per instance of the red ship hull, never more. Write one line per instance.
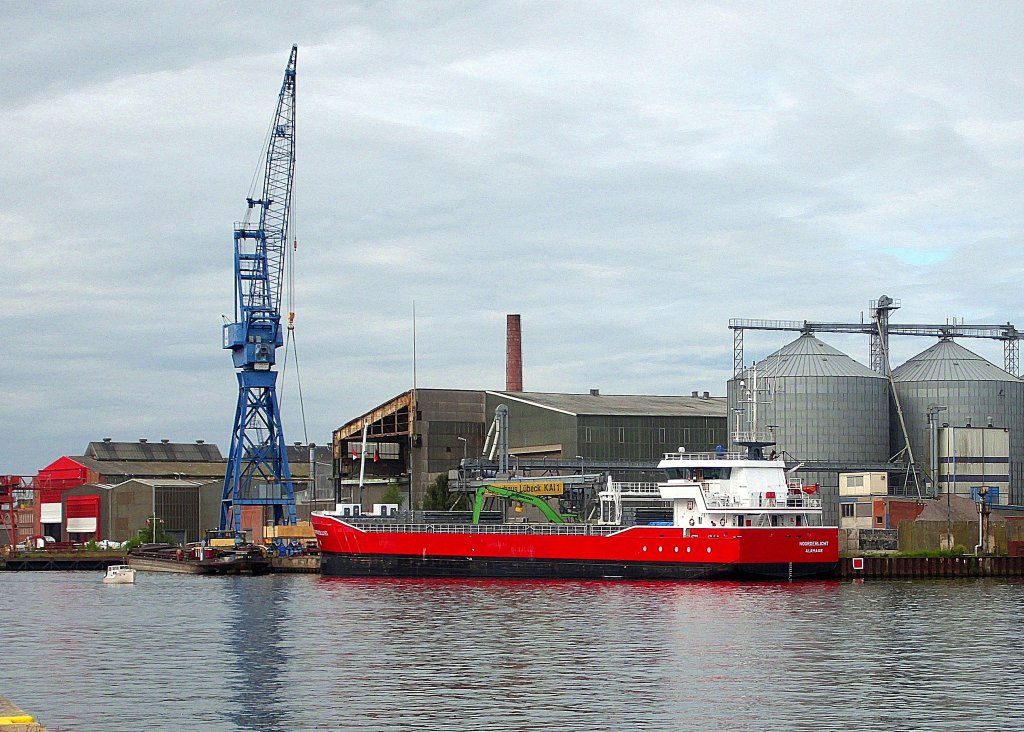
(637, 552)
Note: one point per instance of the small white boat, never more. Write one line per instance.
(119, 574)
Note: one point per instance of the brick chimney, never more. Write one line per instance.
(513, 353)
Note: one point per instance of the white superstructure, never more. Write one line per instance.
(720, 489)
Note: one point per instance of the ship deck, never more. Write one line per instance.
(510, 529)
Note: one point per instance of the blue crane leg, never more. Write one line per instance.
(258, 472)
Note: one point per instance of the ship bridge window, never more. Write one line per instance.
(700, 474)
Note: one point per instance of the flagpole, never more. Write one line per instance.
(414, 350)
(412, 410)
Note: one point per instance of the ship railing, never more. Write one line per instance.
(784, 499)
(733, 455)
(626, 488)
(543, 529)
(765, 499)
(744, 436)
(717, 500)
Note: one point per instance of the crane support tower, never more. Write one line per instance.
(257, 469)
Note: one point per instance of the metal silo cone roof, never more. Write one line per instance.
(949, 361)
(808, 356)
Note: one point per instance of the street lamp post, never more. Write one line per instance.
(583, 488)
(156, 521)
(933, 433)
(951, 486)
(462, 467)
(312, 476)
(153, 535)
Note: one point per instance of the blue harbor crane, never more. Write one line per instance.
(257, 469)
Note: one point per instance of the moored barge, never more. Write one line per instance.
(200, 560)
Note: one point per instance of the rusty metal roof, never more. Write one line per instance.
(622, 405)
(179, 452)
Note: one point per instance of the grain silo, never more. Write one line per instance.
(822, 406)
(973, 392)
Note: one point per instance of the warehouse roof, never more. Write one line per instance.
(153, 468)
(960, 508)
(622, 405)
(179, 452)
(949, 361)
(166, 482)
(169, 460)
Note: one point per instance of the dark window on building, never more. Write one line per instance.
(847, 509)
(586, 434)
(622, 434)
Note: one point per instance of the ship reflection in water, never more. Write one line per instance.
(301, 652)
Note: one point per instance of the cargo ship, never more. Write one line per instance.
(726, 515)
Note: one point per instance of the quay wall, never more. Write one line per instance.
(867, 567)
(929, 567)
(45, 563)
(309, 564)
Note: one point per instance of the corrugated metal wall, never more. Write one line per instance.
(442, 416)
(613, 437)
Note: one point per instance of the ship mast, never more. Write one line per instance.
(748, 432)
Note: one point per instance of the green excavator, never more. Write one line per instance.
(485, 490)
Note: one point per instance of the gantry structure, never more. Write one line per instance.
(878, 329)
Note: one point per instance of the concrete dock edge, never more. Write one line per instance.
(15, 719)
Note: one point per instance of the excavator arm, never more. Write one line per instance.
(483, 491)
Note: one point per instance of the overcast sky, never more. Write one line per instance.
(627, 176)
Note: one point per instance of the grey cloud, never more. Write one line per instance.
(626, 177)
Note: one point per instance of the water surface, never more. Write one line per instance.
(303, 652)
